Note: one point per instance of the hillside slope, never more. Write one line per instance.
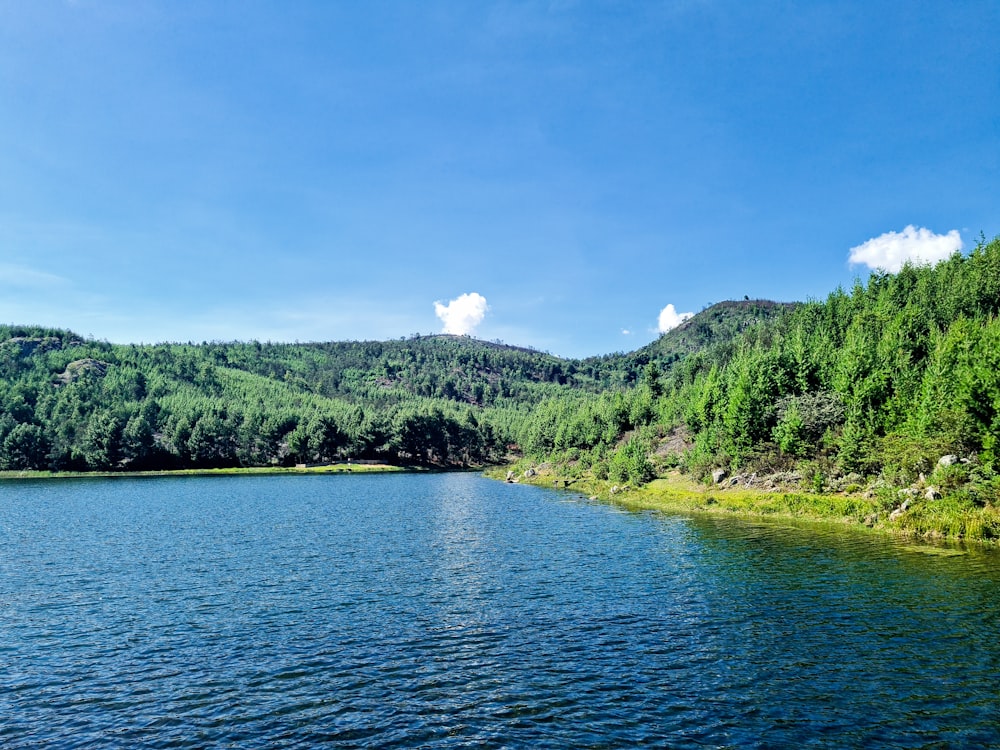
(879, 381)
(71, 403)
(894, 386)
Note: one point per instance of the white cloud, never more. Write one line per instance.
(626, 332)
(462, 314)
(891, 250)
(670, 318)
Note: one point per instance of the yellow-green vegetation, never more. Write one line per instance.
(677, 493)
(881, 396)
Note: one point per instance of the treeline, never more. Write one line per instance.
(70, 404)
(451, 368)
(884, 379)
(879, 380)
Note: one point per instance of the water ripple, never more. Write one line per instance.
(448, 611)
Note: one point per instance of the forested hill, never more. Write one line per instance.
(897, 379)
(717, 326)
(454, 368)
(881, 380)
(70, 403)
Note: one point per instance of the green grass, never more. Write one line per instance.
(954, 517)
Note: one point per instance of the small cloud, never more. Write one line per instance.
(670, 318)
(626, 332)
(463, 314)
(891, 250)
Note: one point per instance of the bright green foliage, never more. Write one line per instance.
(789, 433)
(883, 378)
(24, 447)
(630, 464)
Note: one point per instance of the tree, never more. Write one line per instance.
(24, 447)
(100, 447)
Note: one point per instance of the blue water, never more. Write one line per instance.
(452, 611)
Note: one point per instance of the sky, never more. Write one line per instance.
(572, 176)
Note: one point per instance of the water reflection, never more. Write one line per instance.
(448, 610)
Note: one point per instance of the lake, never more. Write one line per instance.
(449, 610)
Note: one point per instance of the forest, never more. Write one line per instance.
(882, 380)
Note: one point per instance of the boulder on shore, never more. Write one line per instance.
(718, 475)
(899, 511)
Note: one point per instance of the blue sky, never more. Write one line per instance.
(330, 170)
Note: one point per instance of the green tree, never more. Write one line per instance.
(24, 447)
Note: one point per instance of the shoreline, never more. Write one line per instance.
(337, 468)
(932, 522)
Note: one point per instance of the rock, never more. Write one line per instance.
(734, 481)
(900, 510)
(615, 490)
(77, 368)
(529, 473)
(932, 494)
(28, 345)
(510, 477)
(909, 492)
(718, 475)
(871, 519)
(948, 460)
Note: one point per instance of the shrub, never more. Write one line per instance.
(789, 433)
(950, 478)
(630, 464)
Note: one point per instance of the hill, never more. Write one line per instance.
(716, 326)
(71, 403)
(893, 385)
(894, 381)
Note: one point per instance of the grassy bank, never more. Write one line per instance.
(339, 468)
(953, 518)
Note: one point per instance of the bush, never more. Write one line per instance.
(950, 478)
(814, 413)
(789, 433)
(630, 464)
